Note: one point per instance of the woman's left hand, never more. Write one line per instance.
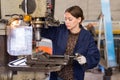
(81, 59)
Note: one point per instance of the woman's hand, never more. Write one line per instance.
(80, 58)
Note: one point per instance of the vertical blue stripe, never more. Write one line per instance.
(108, 33)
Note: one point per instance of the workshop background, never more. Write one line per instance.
(92, 11)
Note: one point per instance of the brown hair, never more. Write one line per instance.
(76, 11)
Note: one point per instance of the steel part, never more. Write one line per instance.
(37, 68)
(42, 63)
(30, 5)
(46, 59)
(37, 34)
(37, 23)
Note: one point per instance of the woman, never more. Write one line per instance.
(72, 39)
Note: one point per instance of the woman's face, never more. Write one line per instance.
(71, 22)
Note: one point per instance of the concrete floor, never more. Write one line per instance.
(99, 76)
(41, 76)
(89, 75)
(93, 76)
